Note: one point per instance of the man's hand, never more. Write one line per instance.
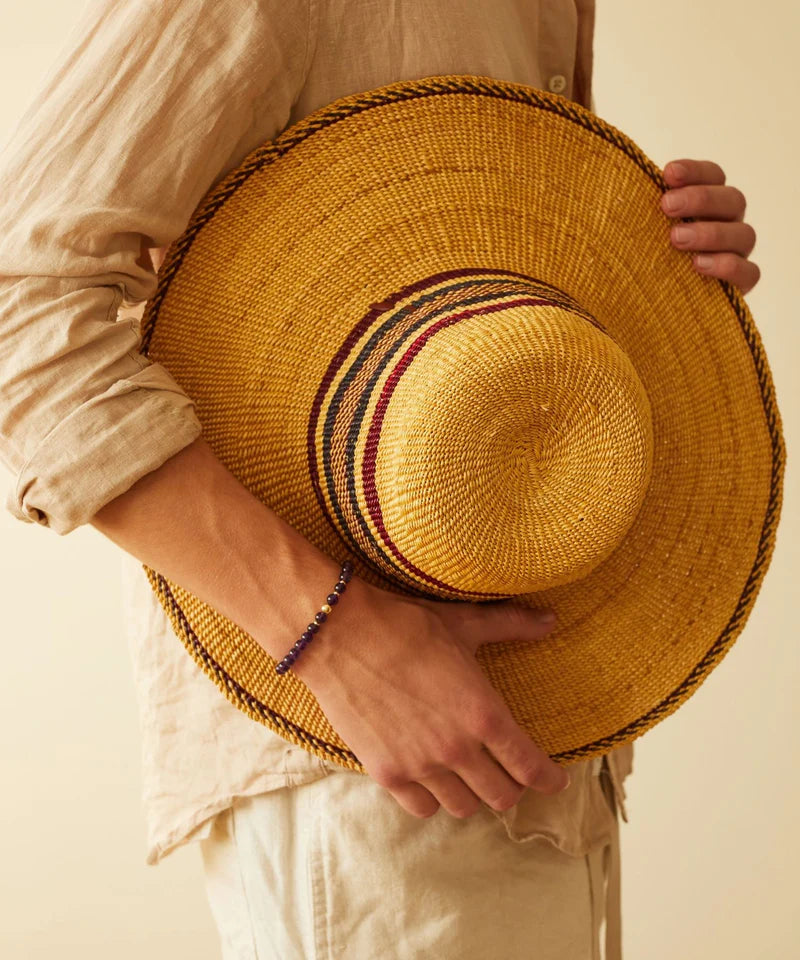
(399, 681)
(725, 241)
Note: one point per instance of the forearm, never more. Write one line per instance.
(197, 525)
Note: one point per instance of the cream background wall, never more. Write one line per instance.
(710, 853)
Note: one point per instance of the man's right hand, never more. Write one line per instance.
(398, 680)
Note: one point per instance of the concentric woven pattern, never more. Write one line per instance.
(455, 422)
(468, 178)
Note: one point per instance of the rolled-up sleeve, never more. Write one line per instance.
(148, 105)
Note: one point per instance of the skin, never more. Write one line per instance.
(719, 231)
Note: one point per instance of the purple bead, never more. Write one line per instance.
(299, 645)
(347, 566)
(344, 576)
(308, 635)
(332, 598)
(340, 587)
(321, 617)
(290, 657)
(312, 627)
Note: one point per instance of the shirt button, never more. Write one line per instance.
(557, 83)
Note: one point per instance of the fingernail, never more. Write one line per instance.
(704, 261)
(674, 202)
(678, 171)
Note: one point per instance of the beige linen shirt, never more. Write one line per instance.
(148, 105)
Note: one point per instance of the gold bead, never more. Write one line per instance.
(325, 608)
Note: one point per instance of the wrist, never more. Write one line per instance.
(285, 614)
(319, 618)
(339, 639)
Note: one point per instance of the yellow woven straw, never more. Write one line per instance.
(440, 327)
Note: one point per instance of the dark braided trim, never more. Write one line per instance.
(554, 103)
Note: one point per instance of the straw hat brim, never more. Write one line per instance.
(359, 200)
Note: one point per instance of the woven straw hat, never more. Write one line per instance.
(439, 327)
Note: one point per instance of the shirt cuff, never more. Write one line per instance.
(102, 448)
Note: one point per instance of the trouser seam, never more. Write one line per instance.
(316, 878)
(242, 884)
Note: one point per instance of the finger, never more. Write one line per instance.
(496, 622)
(415, 799)
(730, 266)
(453, 794)
(705, 200)
(694, 171)
(714, 235)
(523, 759)
(489, 781)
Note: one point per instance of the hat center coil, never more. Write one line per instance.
(481, 436)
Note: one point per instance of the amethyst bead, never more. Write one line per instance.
(320, 617)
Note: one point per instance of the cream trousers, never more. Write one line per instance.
(336, 869)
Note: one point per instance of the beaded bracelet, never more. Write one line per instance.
(305, 638)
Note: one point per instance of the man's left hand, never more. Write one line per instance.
(719, 233)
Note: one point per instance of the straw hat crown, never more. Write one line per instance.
(510, 439)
